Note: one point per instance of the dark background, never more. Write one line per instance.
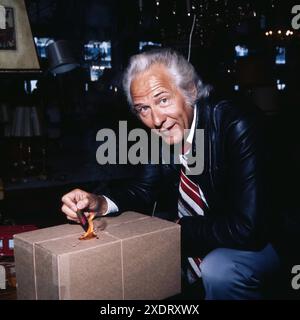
(37, 171)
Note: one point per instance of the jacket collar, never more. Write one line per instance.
(200, 123)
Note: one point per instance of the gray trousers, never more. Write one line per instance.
(234, 274)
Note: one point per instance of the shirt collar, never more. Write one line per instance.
(189, 140)
(192, 129)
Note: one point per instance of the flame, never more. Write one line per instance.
(90, 233)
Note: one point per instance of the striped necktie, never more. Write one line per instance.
(191, 202)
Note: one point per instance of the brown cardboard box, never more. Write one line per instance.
(134, 257)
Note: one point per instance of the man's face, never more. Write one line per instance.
(160, 105)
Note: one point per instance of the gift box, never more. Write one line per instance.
(134, 257)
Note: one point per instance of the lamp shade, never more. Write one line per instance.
(60, 57)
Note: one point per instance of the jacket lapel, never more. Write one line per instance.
(202, 122)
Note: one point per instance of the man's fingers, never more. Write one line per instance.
(74, 220)
(69, 202)
(71, 215)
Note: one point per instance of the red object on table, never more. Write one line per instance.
(6, 237)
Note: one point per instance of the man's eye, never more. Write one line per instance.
(142, 109)
(163, 100)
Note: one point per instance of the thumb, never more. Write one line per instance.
(82, 204)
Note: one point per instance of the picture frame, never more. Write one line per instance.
(7, 30)
(17, 49)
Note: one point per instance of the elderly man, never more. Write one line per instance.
(222, 212)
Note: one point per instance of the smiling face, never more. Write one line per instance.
(160, 105)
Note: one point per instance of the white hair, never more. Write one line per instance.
(181, 71)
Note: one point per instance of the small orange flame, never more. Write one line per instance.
(90, 233)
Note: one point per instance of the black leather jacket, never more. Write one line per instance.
(233, 182)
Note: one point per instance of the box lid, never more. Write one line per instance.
(51, 233)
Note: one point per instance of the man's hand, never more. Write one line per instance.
(79, 199)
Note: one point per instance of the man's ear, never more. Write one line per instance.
(193, 91)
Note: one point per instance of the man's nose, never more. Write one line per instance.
(158, 118)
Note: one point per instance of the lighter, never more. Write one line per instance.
(83, 220)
